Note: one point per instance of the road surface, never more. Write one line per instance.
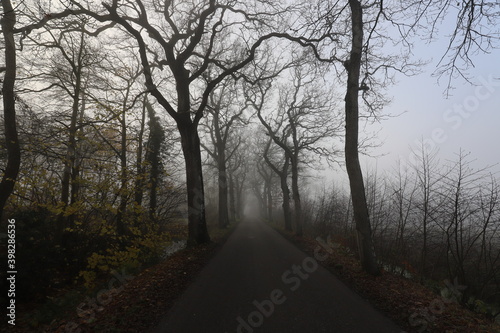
(260, 282)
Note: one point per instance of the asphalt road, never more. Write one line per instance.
(260, 282)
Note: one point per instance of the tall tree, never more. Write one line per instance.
(305, 117)
(266, 174)
(184, 44)
(178, 44)
(153, 158)
(122, 83)
(282, 173)
(11, 171)
(360, 206)
(466, 38)
(140, 180)
(238, 167)
(226, 112)
(61, 61)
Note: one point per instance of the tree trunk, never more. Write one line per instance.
(423, 255)
(69, 160)
(9, 106)
(260, 194)
(139, 179)
(223, 195)
(232, 199)
(239, 198)
(360, 207)
(197, 227)
(153, 201)
(283, 175)
(269, 197)
(156, 137)
(286, 202)
(120, 224)
(76, 171)
(296, 196)
(154, 172)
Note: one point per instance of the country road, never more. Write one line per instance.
(260, 282)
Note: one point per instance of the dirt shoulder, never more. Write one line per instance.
(412, 306)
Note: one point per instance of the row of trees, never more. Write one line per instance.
(182, 52)
(92, 182)
(432, 220)
(102, 80)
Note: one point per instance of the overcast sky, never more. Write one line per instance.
(468, 119)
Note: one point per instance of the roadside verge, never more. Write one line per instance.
(145, 298)
(408, 303)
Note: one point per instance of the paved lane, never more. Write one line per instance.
(260, 282)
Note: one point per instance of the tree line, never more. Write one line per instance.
(102, 102)
(433, 220)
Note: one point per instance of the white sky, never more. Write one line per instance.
(468, 119)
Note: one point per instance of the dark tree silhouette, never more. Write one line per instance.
(11, 171)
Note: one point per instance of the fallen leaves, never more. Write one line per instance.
(412, 306)
(145, 299)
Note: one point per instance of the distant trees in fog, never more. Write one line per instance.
(108, 96)
(433, 220)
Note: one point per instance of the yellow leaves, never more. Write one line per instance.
(89, 278)
(55, 209)
(73, 208)
(112, 209)
(135, 231)
(94, 260)
(138, 209)
(143, 248)
(103, 268)
(106, 231)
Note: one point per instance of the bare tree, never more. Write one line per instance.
(304, 118)
(226, 113)
(282, 172)
(362, 63)
(427, 180)
(474, 31)
(189, 48)
(266, 174)
(459, 206)
(11, 171)
(184, 44)
(360, 207)
(238, 170)
(60, 62)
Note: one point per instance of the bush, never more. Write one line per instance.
(144, 249)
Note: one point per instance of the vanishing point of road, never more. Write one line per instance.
(260, 282)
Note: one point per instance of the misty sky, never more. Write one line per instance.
(468, 119)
